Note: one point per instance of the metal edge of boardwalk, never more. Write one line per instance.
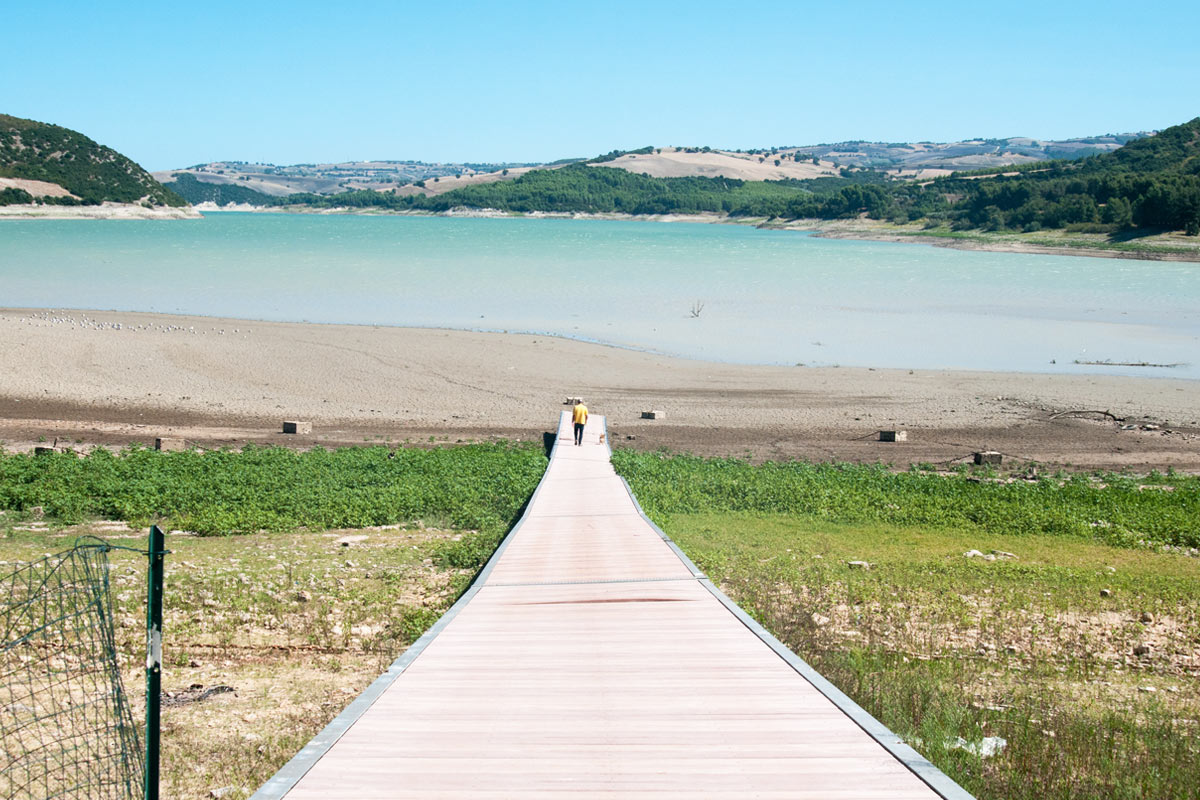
(290, 773)
(934, 778)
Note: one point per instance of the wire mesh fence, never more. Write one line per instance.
(65, 722)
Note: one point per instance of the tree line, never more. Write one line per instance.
(1150, 183)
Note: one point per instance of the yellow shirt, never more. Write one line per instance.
(580, 414)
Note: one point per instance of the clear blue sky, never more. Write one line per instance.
(173, 84)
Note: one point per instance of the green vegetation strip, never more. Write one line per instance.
(479, 486)
(1116, 509)
(1074, 645)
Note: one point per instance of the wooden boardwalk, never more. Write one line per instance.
(592, 659)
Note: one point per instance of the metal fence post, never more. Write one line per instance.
(154, 658)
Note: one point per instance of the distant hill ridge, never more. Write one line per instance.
(90, 173)
(1123, 182)
(222, 181)
(226, 182)
(1150, 183)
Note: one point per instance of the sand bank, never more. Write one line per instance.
(103, 211)
(112, 377)
(1169, 246)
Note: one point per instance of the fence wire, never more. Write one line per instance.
(65, 723)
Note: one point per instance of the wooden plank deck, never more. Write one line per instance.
(592, 659)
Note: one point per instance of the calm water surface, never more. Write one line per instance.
(769, 297)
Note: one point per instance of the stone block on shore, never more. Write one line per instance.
(292, 426)
(170, 445)
(893, 436)
(573, 400)
(989, 457)
(653, 415)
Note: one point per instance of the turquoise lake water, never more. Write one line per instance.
(769, 297)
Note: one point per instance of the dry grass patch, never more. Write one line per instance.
(1083, 657)
(267, 637)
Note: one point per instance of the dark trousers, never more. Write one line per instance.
(578, 433)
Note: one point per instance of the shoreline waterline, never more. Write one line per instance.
(718, 293)
(861, 229)
(119, 377)
(56, 316)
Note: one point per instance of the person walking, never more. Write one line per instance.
(579, 415)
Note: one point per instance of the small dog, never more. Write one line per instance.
(602, 438)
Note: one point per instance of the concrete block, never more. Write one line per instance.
(572, 400)
(290, 426)
(653, 415)
(893, 436)
(170, 445)
(990, 457)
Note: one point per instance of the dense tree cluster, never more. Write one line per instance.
(194, 190)
(580, 188)
(11, 196)
(1149, 183)
(613, 155)
(93, 173)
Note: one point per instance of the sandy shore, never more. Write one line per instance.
(1172, 246)
(86, 378)
(103, 211)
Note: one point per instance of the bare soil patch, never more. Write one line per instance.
(81, 379)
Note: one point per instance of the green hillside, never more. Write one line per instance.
(90, 171)
(196, 191)
(1149, 184)
(579, 188)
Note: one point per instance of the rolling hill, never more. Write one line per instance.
(909, 160)
(1150, 183)
(225, 182)
(50, 164)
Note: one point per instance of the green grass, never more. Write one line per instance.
(296, 617)
(1038, 649)
(479, 486)
(1122, 510)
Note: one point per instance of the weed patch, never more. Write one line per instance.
(479, 486)
(1082, 656)
(266, 637)
(1110, 508)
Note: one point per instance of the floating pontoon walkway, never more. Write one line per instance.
(591, 658)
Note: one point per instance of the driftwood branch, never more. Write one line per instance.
(1107, 363)
(1108, 414)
